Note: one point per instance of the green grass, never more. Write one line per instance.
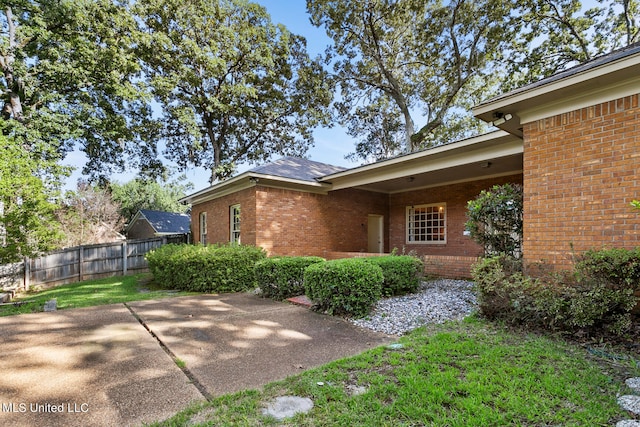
(469, 373)
(89, 293)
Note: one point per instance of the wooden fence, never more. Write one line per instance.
(84, 263)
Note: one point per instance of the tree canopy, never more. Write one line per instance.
(232, 86)
(409, 70)
(149, 194)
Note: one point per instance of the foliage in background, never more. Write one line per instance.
(70, 79)
(89, 215)
(426, 58)
(233, 87)
(495, 220)
(283, 277)
(402, 274)
(150, 194)
(213, 268)
(344, 286)
(28, 224)
(592, 298)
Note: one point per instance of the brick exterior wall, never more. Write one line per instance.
(580, 174)
(218, 217)
(299, 223)
(456, 197)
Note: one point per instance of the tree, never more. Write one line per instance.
(148, 194)
(70, 79)
(233, 87)
(424, 56)
(556, 34)
(495, 220)
(27, 222)
(89, 215)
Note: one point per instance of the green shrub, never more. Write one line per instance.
(214, 268)
(619, 268)
(344, 286)
(495, 219)
(283, 277)
(567, 301)
(402, 274)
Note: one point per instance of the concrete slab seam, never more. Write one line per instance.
(201, 388)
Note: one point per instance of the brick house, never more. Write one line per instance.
(572, 139)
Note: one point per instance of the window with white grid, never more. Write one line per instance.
(234, 221)
(427, 223)
(203, 228)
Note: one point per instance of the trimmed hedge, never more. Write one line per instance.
(344, 286)
(402, 274)
(214, 268)
(283, 277)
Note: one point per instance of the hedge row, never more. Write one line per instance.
(280, 278)
(213, 268)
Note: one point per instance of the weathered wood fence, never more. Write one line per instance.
(84, 263)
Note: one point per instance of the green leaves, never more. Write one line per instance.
(495, 220)
(233, 86)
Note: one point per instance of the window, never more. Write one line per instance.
(203, 228)
(234, 221)
(427, 223)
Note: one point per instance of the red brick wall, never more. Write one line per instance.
(218, 227)
(580, 174)
(298, 223)
(456, 197)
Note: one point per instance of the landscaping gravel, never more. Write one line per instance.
(435, 302)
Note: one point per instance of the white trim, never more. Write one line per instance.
(443, 206)
(582, 100)
(615, 67)
(232, 230)
(202, 224)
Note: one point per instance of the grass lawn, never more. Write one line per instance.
(469, 373)
(89, 293)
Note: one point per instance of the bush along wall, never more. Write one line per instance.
(344, 286)
(402, 274)
(597, 296)
(214, 268)
(283, 277)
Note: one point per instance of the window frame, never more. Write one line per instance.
(202, 218)
(410, 230)
(235, 222)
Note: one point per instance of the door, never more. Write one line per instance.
(375, 227)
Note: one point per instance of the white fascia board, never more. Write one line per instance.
(477, 149)
(527, 99)
(251, 179)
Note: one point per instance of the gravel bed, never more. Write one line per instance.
(435, 302)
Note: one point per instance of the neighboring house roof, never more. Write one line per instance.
(601, 79)
(163, 222)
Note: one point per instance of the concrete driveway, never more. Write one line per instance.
(114, 365)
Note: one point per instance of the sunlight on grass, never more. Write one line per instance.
(110, 290)
(468, 373)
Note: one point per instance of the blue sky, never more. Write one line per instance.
(331, 145)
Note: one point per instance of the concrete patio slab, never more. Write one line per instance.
(86, 367)
(99, 366)
(234, 342)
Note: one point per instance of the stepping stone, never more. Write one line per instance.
(51, 305)
(634, 384)
(630, 403)
(628, 423)
(288, 406)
